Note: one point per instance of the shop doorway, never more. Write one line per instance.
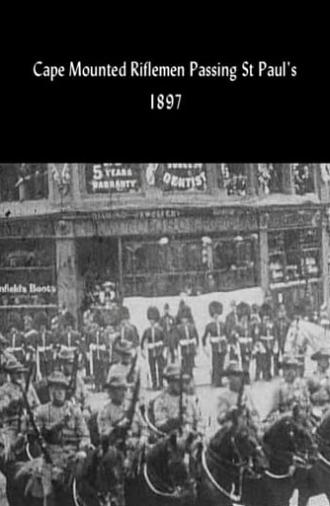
(98, 263)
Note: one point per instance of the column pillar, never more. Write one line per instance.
(325, 255)
(66, 267)
(263, 253)
(120, 265)
(252, 183)
(287, 178)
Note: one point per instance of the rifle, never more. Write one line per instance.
(181, 397)
(129, 376)
(34, 426)
(73, 380)
(240, 394)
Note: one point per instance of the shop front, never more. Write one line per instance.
(295, 258)
(27, 270)
(166, 252)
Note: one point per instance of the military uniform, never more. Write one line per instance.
(68, 439)
(154, 340)
(166, 408)
(214, 331)
(319, 384)
(99, 358)
(12, 413)
(187, 341)
(268, 340)
(167, 323)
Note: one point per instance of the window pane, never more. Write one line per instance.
(232, 178)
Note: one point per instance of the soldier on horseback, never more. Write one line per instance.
(66, 365)
(173, 407)
(319, 382)
(12, 415)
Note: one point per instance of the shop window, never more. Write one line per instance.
(294, 255)
(23, 182)
(27, 273)
(232, 178)
(270, 178)
(191, 265)
(303, 178)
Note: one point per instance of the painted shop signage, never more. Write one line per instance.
(28, 228)
(284, 219)
(30, 288)
(112, 178)
(179, 177)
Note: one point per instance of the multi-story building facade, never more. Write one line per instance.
(161, 229)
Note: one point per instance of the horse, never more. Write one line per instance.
(164, 474)
(232, 456)
(290, 449)
(98, 480)
(318, 476)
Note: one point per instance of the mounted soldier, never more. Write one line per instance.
(153, 340)
(118, 421)
(319, 382)
(214, 331)
(174, 407)
(292, 391)
(13, 418)
(127, 367)
(187, 341)
(234, 397)
(64, 430)
(68, 365)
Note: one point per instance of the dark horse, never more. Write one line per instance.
(290, 448)
(97, 481)
(232, 455)
(318, 477)
(164, 475)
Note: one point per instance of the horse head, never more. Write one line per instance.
(237, 444)
(102, 480)
(168, 468)
(289, 441)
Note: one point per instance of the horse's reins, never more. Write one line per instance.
(233, 497)
(151, 426)
(173, 494)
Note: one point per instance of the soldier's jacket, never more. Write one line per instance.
(215, 331)
(74, 434)
(167, 323)
(166, 407)
(71, 338)
(228, 400)
(290, 394)
(80, 395)
(128, 332)
(319, 387)
(109, 416)
(186, 336)
(45, 339)
(12, 414)
(154, 339)
(281, 327)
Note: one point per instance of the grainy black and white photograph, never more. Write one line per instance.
(164, 334)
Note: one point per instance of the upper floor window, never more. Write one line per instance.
(270, 178)
(303, 178)
(232, 178)
(25, 181)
